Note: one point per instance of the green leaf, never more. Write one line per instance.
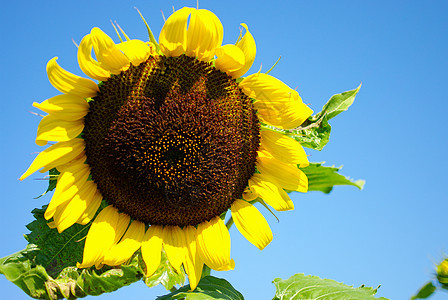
(93, 282)
(338, 103)
(18, 269)
(426, 291)
(321, 178)
(304, 287)
(208, 288)
(57, 250)
(46, 268)
(71, 282)
(165, 275)
(315, 132)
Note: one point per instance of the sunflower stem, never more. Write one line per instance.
(229, 223)
(173, 289)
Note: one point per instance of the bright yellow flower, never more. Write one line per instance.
(171, 140)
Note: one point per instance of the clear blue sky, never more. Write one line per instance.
(394, 136)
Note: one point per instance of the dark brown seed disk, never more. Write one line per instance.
(172, 141)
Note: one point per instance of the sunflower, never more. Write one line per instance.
(170, 137)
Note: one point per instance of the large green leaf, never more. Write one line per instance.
(304, 287)
(208, 288)
(315, 132)
(76, 283)
(426, 291)
(46, 269)
(19, 269)
(71, 282)
(321, 178)
(57, 250)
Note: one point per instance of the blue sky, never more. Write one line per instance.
(390, 234)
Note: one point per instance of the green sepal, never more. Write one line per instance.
(206, 271)
(426, 291)
(150, 34)
(116, 31)
(273, 66)
(52, 180)
(323, 179)
(315, 132)
(300, 286)
(208, 288)
(165, 275)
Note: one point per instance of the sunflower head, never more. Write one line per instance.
(170, 137)
(442, 272)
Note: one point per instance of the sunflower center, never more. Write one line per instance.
(172, 141)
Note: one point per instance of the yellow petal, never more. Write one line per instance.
(80, 157)
(69, 183)
(249, 195)
(87, 63)
(101, 237)
(152, 248)
(293, 114)
(136, 51)
(251, 223)
(287, 176)
(69, 83)
(230, 58)
(130, 243)
(249, 48)
(57, 214)
(204, 34)
(276, 103)
(272, 194)
(173, 36)
(68, 216)
(122, 225)
(65, 107)
(54, 129)
(59, 202)
(284, 148)
(70, 173)
(107, 53)
(55, 155)
(193, 263)
(92, 206)
(175, 245)
(214, 244)
(263, 153)
(51, 224)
